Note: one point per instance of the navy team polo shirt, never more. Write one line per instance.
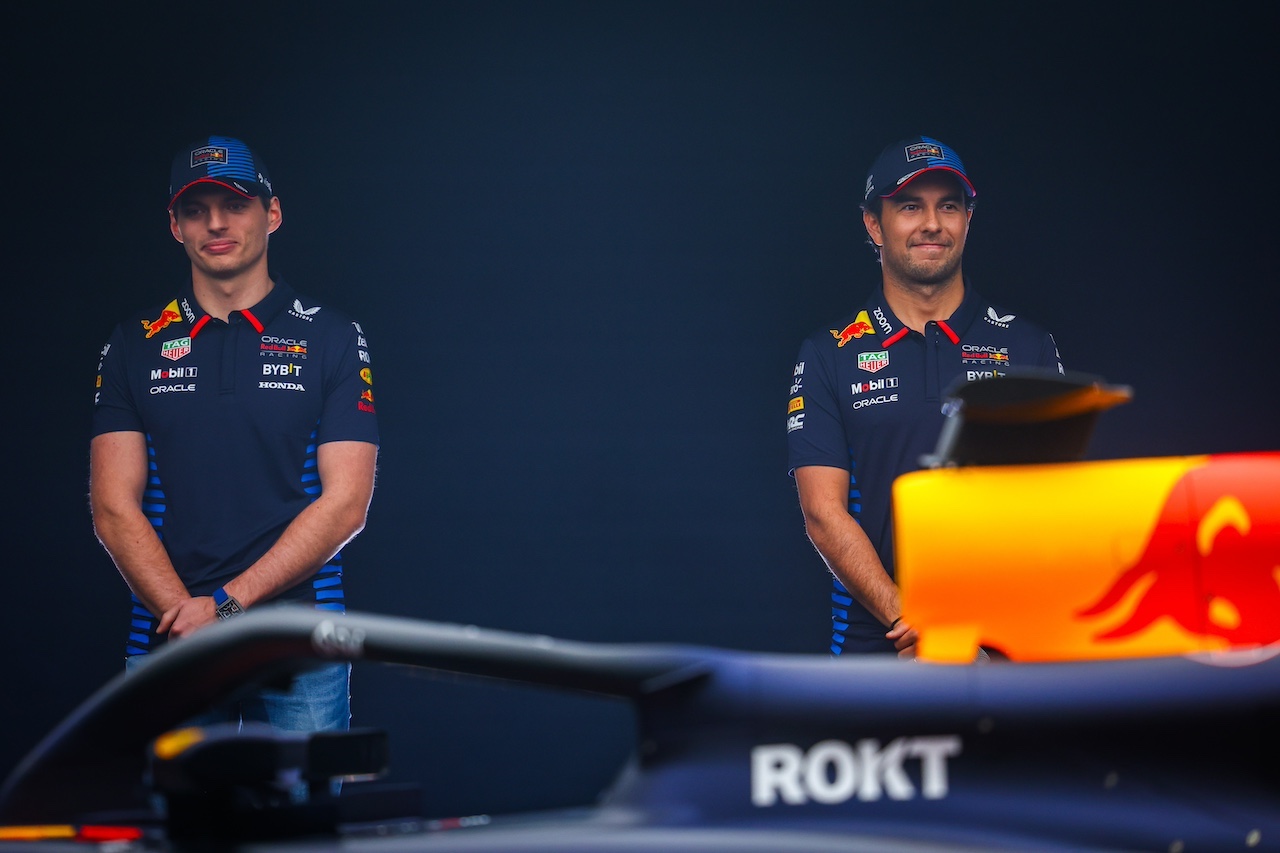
(233, 413)
(866, 396)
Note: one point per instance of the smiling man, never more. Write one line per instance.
(866, 396)
(234, 437)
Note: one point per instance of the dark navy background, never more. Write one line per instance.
(585, 240)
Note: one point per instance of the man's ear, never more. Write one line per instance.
(173, 227)
(872, 224)
(275, 215)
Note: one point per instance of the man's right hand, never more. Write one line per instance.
(904, 639)
(190, 615)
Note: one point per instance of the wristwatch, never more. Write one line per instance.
(226, 605)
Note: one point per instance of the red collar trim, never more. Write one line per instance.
(902, 333)
(258, 327)
(895, 337)
(195, 330)
(252, 320)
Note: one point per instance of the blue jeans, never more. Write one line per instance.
(319, 700)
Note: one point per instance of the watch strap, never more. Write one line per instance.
(225, 605)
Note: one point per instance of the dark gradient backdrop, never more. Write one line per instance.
(585, 240)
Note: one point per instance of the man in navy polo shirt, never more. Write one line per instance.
(866, 396)
(234, 436)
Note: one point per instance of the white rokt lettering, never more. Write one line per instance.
(833, 771)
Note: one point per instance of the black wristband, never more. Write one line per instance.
(895, 622)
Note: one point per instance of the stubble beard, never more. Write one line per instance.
(927, 275)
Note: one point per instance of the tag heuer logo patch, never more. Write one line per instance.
(873, 361)
(176, 348)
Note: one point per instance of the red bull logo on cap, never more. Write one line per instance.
(923, 150)
(208, 154)
(860, 326)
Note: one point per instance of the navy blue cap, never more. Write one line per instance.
(908, 158)
(219, 160)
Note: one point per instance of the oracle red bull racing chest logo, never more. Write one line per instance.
(283, 347)
(1212, 562)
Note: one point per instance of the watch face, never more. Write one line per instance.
(229, 608)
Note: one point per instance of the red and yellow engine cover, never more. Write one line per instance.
(1088, 560)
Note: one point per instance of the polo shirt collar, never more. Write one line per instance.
(258, 316)
(892, 329)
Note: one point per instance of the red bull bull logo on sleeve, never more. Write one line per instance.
(169, 315)
(860, 326)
